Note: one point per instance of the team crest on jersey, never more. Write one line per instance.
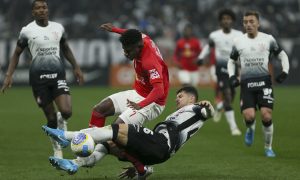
(261, 47)
(55, 34)
(154, 74)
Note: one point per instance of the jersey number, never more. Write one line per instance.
(148, 131)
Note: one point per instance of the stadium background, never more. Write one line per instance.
(212, 153)
(100, 54)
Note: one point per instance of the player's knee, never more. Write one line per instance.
(105, 107)
(66, 114)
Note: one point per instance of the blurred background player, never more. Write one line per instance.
(253, 50)
(45, 39)
(185, 57)
(150, 147)
(221, 41)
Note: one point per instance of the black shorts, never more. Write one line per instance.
(47, 89)
(253, 97)
(147, 146)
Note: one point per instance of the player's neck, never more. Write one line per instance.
(226, 30)
(252, 35)
(42, 22)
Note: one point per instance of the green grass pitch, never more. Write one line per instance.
(211, 154)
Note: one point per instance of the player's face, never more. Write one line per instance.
(226, 21)
(183, 99)
(40, 10)
(251, 25)
(133, 51)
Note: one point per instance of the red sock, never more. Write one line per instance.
(139, 166)
(97, 120)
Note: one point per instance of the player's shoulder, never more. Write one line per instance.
(237, 32)
(215, 33)
(55, 24)
(28, 27)
(265, 36)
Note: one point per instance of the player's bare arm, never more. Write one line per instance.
(70, 57)
(11, 68)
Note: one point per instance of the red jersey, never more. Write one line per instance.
(150, 69)
(186, 53)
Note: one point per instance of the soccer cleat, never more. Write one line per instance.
(236, 132)
(58, 135)
(269, 152)
(217, 116)
(149, 171)
(64, 164)
(249, 137)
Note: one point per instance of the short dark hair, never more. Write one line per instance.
(131, 37)
(228, 12)
(33, 3)
(252, 13)
(190, 90)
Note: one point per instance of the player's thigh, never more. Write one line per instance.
(184, 77)
(63, 103)
(120, 100)
(139, 117)
(148, 146)
(61, 93)
(266, 98)
(248, 99)
(42, 94)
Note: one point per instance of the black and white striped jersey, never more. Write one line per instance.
(181, 125)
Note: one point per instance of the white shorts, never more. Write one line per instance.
(188, 77)
(132, 116)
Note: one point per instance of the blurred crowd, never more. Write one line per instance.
(155, 17)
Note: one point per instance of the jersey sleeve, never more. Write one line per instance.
(118, 30)
(274, 47)
(154, 69)
(23, 39)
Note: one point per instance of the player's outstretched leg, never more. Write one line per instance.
(249, 136)
(57, 134)
(64, 164)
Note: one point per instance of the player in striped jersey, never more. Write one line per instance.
(148, 146)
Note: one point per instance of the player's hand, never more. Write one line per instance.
(6, 83)
(234, 82)
(208, 110)
(199, 62)
(281, 77)
(107, 27)
(79, 76)
(128, 173)
(133, 105)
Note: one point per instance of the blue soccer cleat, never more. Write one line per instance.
(64, 164)
(269, 152)
(58, 135)
(249, 137)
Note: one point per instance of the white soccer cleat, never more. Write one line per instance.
(236, 132)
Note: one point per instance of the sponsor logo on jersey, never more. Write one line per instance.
(48, 76)
(154, 74)
(256, 84)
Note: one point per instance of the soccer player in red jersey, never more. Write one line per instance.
(185, 56)
(151, 85)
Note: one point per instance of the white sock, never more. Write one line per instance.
(268, 134)
(100, 134)
(61, 122)
(219, 106)
(230, 119)
(56, 148)
(99, 152)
